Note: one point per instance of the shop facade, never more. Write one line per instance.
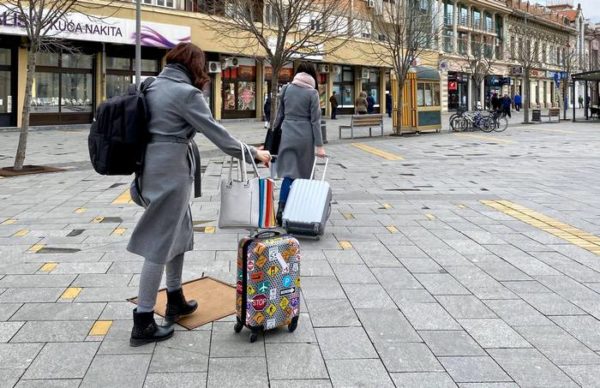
(458, 90)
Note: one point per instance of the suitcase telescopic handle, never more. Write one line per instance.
(312, 174)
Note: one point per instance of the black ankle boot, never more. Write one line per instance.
(279, 216)
(145, 330)
(178, 307)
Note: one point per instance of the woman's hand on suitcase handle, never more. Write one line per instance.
(321, 152)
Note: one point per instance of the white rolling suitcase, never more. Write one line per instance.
(308, 206)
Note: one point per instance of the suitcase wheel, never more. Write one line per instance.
(253, 337)
(238, 327)
(293, 325)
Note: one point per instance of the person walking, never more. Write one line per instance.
(388, 103)
(580, 100)
(495, 101)
(506, 103)
(267, 110)
(334, 105)
(164, 232)
(518, 102)
(360, 105)
(299, 115)
(370, 104)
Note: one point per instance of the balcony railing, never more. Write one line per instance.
(448, 20)
(463, 20)
(463, 46)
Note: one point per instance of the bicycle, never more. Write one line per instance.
(499, 122)
(472, 121)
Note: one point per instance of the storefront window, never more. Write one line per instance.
(77, 61)
(116, 63)
(246, 95)
(428, 94)
(371, 85)
(47, 59)
(45, 93)
(5, 55)
(239, 90)
(343, 84)
(120, 73)
(6, 85)
(77, 94)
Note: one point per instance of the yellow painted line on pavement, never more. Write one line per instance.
(35, 248)
(21, 233)
(9, 221)
(71, 293)
(123, 199)
(392, 229)
(348, 216)
(345, 245)
(430, 217)
(555, 130)
(48, 267)
(119, 231)
(97, 220)
(210, 230)
(377, 152)
(80, 210)
(387, 206)
(100, 328)
(550, 225)
(481, 137)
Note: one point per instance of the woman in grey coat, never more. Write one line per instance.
(299, 115)
(164, 232)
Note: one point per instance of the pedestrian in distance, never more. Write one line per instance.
(506, 103)
(580, 100)
(334, 105)
(164, 232)
(299, 115)
(370, 104)
(388, 103)
(495, 101)
(267, 111)
(360, 105)
(518, 102)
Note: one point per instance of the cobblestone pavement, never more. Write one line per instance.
(449, 260)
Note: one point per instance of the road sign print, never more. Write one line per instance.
(259, 302)
(264, 287)
(250, 290)
(257, 276)
(262, 260)
(286, 281)
(273, 270)
(271, 310)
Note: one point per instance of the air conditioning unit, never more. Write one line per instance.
(516, 70)
(370, 3)
(214, 67)
(324, 69)
(364, 74)
(231, 62)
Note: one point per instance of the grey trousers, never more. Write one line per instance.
(150, 281)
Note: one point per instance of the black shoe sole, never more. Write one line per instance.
(135, 342)
(170, 319)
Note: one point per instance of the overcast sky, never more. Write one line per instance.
(591, 9)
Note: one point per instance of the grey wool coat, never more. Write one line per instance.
(299, 114)
(177, 109)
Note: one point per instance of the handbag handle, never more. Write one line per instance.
(242, 171)
(312, 174)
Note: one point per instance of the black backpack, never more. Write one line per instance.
(119, 133)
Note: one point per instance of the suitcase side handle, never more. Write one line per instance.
(312, 174)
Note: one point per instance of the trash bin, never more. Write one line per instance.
(324, 131)
(536, 115)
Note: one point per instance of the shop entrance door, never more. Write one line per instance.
(7, 89)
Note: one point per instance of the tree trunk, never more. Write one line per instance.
(399, 111)
(22, 147)
(526, 92)
(274, 90)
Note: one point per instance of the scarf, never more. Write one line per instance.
(304, 80)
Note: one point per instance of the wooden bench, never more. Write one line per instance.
(364, 121)
(553, 112)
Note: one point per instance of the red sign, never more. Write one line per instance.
(240, 287)
(259, 302)
(452, 85)
(257, 276)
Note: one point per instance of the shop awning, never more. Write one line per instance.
(587, 76)
(426, 72)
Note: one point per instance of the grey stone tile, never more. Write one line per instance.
(53, 331)
(7, 310)
(493, 333)
(303, 333)
(10, 377)
(125, 371)
(74, 360)
(473, 369)
(528, 367)
(332, 312)
(225, 343)
(230, 372)
(423, 380)
(387, 326)
(36, 281)
(26, 295)
(316, 268)
(87, 280)
(187, 351)
(9, 329)
(429, 316)
(98, 294)
(584, 375)
(79, 268)
(488, 385)
(343, 257)
(464, 306)
(117, 311)
(295, 361)
(179, 380)
(421, 265)
(353, 273)
(300, 383)
(407, 357)
(64, 383)
(322, 288)
(396, 278)
(517, 313)
(451, 343)
(368, 296)
(552, 304)
(358, 373)
(345, 343)
(526, 287)
(18, 356)
(584, 327)
(59, 312)
(403, 297)
(441, 284)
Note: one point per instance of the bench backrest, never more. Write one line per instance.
(554, 111)
(364, 120)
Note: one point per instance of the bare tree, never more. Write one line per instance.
(405, 30)
(281, 31)
(478, 62)
(570, 61)
(39, 18)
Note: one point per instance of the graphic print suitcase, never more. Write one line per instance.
(268, 282)
(308, 206)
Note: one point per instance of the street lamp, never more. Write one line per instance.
(138, 43)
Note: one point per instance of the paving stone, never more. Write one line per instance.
(295, 361)
(552, 304)
(345, 343)
(125, 371)
(9, 329)
(488, 385)
(423, 380)
(187, 351)
(429, 316)
(493, 333)
(98, 294)
(66, 383)
(87, 280)
(368, 296)
(59, 312)
(517, 313)
(421, 265)
(322, 288)
(396, 278)
(343, 257)
(332, 312)
(358, 373)
(53, 331)
(301, 383)
(7, 310)
(584, 327)
(229, 372)
(441, 284)
(528, 367)
(316, 268)
(303, 333)
(225, 343)
(404, 297)
(18, 356)
(353, 273)
(36, 281)
(27, 295)
(584, 375)
(387, 326)
(10, 377)
(74, 360)
(179, 380)
(473, 369)
(451, 343)
(407, 357)
(463, 306)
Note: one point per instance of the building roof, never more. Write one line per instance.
(570, 14)
(587, 76)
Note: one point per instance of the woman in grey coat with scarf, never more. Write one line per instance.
(164, 232)
(299, 115)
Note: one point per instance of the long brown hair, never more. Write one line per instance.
(193, 58)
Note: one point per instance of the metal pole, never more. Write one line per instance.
(138, 43)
